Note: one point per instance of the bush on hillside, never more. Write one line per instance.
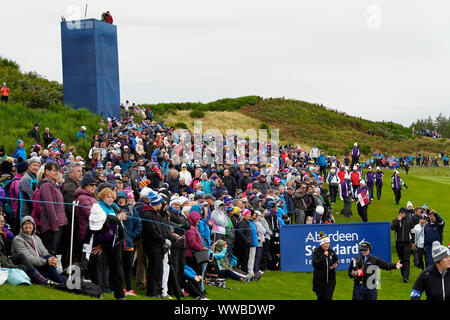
(197, 114)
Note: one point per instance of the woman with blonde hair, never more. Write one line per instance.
(103, 241)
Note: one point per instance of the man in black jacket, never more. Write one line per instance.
(434, 280)
(229, 183)
(48, 137)
(180, 225)
(154, 241)
(71, 183)
(362, 269)
(404, 238)
(34, 133)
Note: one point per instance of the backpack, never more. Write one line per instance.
(6, 202)
(212, 269)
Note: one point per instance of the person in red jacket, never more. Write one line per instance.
(107, 18)
(5, 93)
(355, 175)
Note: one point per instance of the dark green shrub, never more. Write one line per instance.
(197, 114)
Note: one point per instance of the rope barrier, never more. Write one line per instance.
(138, 218)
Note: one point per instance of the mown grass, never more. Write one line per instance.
(277, 285)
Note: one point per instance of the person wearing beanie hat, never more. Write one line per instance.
(435, 279)
(19, 151)
(362, 270)
(404, 240)
(244, 241)
(325, 262)
(154, 241)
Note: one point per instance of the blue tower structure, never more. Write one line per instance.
(90, 62)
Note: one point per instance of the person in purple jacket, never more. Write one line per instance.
(346, 191)
(379, 182)
(53, 216)
(355, 154)
(397, 183)
(361, 205)
(370, 181)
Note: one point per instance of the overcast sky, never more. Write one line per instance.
(382, 60)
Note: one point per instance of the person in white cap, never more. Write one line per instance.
(434, 280)
(82, 133)
(325, 262)
(346, 192)
(355, 154)
(397, 184)
(356, 177)
(362, 200)
(5, 93)
(379, 182)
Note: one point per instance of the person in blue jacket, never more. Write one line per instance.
(125, 163)
(254, 245)
(20, 151)
(322, 162)
(81, 134)
(133, 227)
(191, 283)
(432, 232)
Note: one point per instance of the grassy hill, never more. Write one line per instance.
(17, 120)
(301, 123)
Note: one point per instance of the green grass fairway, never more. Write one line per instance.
(426, 185)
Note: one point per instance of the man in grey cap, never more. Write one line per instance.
(27, 186)
(434, 280)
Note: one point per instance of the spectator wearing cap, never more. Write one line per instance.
(20, 151)
(404, 240)
(397, 184)
(362, 200)
(419, 238)
(244, 241)
(81, 134)
(154, 242)
(361, 271)
(435, 279)
(219, 221)
(325, 262)
(132, 227)
(178, 250)
(185, 174)
(433, 232)
(27, 187)
(379, 182)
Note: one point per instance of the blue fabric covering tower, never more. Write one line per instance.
(90, 64)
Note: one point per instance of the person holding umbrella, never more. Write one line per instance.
(325, 262)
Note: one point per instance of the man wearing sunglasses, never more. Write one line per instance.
(363, 270)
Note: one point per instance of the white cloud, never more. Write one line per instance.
(203, 50)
